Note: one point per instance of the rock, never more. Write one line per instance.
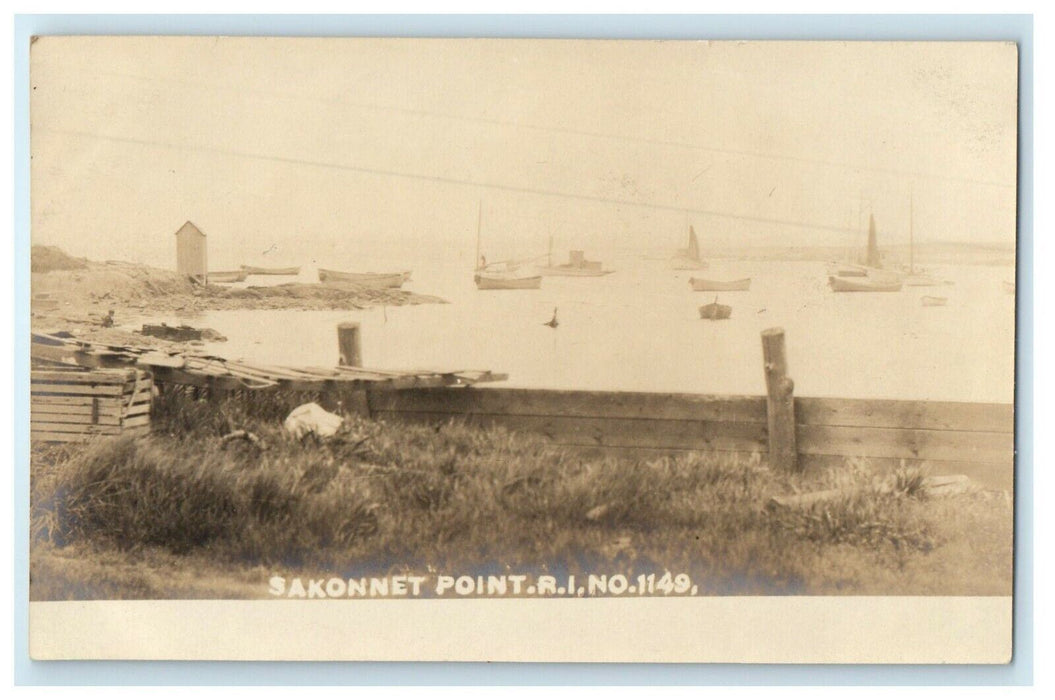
(312, 418)
(598, 512)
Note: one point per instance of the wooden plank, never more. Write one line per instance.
(49, 436)
(44, 436)
(77, 389)
(80, 418)
(135, 421)
(86, 409)
(596, 404)
(86, 376)
(934, 415)
(74, 428)
(168, 375)
(612, 432)
(105, 402)
(974, 446)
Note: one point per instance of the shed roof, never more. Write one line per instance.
(189, 227)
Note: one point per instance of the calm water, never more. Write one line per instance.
(639, 329)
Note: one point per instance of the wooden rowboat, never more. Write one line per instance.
(225, 276)
(250, 270)
(386, 280)
(486, 280)
(867, 284)
(715, 311)
(700, 284)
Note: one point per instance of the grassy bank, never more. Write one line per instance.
(382, 498)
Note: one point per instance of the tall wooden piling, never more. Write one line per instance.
(780, 402)
(349, 344)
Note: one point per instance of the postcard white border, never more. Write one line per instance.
(758, 629)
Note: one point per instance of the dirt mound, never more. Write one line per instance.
(116, 282)
(45, 258)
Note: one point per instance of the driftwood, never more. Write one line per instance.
(249, 437)
(932, 487)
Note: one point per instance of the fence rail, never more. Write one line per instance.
(963, 438)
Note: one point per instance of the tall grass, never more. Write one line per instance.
(380, 496)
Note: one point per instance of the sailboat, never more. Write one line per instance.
(912, 279)
(490, 276)
(689, 258)
(882, 282)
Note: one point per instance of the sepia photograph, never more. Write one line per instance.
(398, 333)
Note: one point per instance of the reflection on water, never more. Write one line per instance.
(639, 330)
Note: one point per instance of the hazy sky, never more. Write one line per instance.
(337, 145)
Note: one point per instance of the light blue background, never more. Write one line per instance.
(1017, 28)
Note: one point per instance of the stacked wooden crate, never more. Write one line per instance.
(76, 404)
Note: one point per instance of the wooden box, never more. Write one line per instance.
(76, 404)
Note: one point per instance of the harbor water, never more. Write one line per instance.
(639, 329)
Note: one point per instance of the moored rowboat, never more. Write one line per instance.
(840, 284)
(498, 281)
(392, 280)
(700, 284)
(250, 270)
(227, 276)
(715, 311)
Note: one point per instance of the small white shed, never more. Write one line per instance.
(190, 251)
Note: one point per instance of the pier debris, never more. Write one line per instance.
(181, 333)
(931, 487)
(249, 437)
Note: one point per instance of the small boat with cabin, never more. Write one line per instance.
(577, 266)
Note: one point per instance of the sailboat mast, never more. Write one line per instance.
(479, 221)
(911, 242)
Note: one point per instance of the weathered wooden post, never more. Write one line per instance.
(349, 344)
(780, 402)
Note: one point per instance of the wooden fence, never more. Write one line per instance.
(952, 438)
